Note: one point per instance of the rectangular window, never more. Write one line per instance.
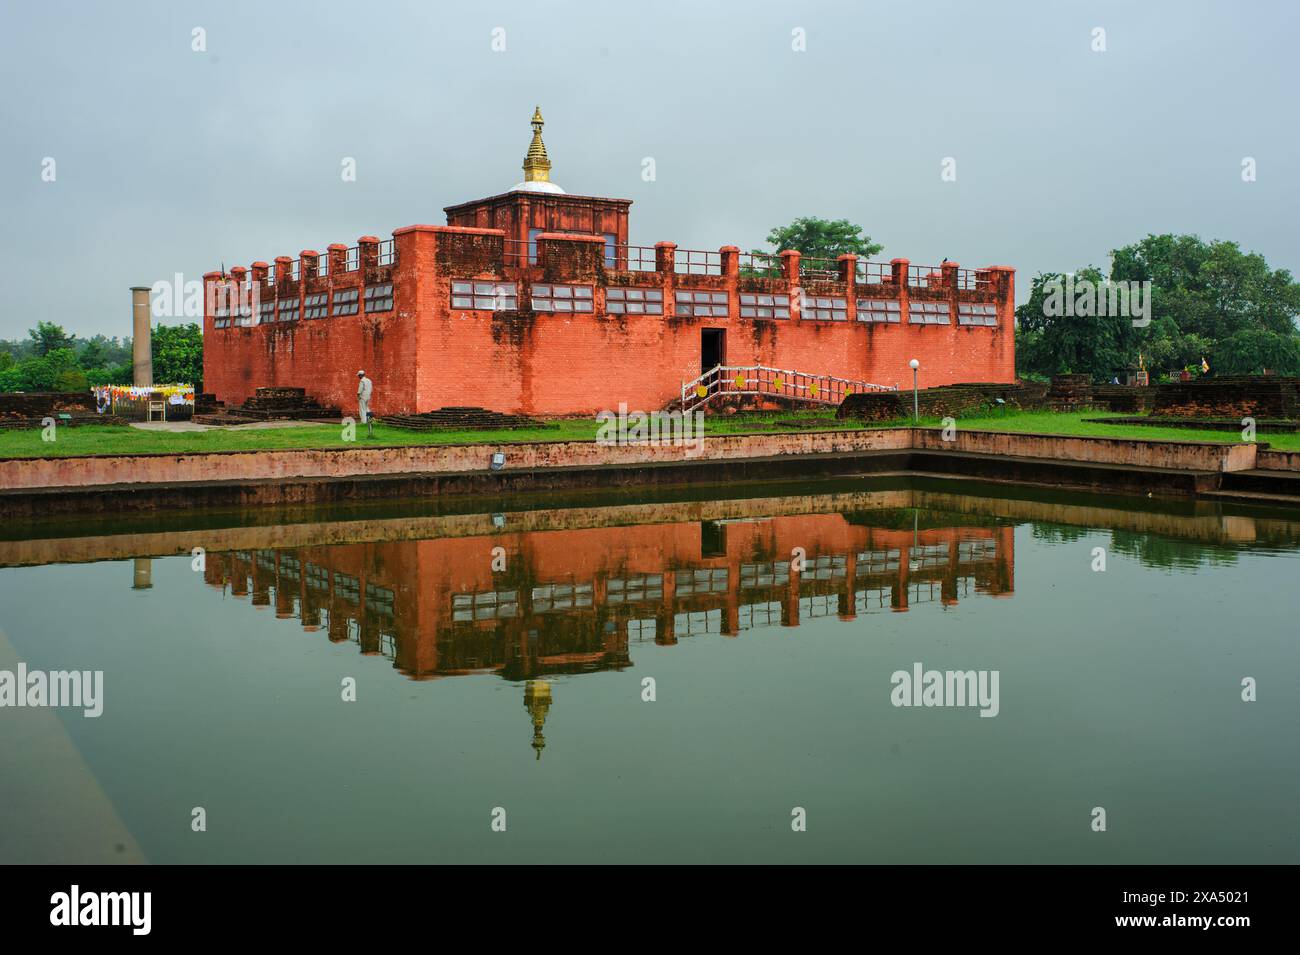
(345, 301)
(879, 310)
(562, 298)
(928, 313)
(611, 250)
(824, 568)
(776, 574)
(764, 306)
(819, 308)
(878, 561)
(221, 316)
(493, 605)
(266, 311)
(486, 296)
(634, 301)
(347, 587)
(318, 578)
(289, 309)
(619, 590)
(706, 580)
(697, 622)
(314, 305)
(971, 314)
(702, 304)
(379, 298)
(555, 598)
(379, 600)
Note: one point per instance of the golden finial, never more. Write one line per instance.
(537, 165)
(537, 700)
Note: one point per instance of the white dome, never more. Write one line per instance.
(536, 187)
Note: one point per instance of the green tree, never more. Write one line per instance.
(822, 239)
(178, 354)
(1203, 295)
(122, 374)
(1055, 343)
(38, 372)
(1253, 350)
(47, 337)
(92, 355)
(71, 379)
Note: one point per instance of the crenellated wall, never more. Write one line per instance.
(509, 355)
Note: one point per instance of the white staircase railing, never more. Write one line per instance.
(770, 382)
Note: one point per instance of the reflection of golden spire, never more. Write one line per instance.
(537, 165)
(537, 700)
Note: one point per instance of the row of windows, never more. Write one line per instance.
(764, 306)
(824, 309)
(634, 301)
(969, 314)
(702, 304)
(562, 298)
(378, 298)
(485, 296)
(504, 296)
(499, 296)
(928, 313)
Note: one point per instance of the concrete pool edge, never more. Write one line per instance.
(152, 482)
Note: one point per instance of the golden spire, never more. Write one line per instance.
(537, 700)
(537, 165)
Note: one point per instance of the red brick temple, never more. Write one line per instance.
(533, 302)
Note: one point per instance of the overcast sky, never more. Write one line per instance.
(169, 160)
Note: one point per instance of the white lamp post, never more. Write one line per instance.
(916, 400)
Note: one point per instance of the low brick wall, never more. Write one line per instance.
(83, 475)
(1129, 452)
(353, 461)
(1277, 460)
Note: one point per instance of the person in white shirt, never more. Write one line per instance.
(365, 388)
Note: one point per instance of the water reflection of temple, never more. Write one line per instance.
(572, 600)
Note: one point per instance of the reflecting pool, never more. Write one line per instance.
(676, 678)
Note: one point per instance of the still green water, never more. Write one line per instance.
(500, 661)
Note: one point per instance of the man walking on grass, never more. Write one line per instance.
(365, 388)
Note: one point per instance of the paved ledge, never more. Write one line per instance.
(153, 482)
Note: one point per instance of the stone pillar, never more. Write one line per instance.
(310, 268)
(369, 252)
(666, 257)
(949, 272)
(666, 270)
(899, 269)
(338, 253)
(790, 272)
(730, 263)
(848, 263)
(141, 337)
(142, 578)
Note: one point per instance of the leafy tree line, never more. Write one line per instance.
(50, 359)
(1209, 301)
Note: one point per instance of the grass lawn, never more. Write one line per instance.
(1073, 423)
(94, 439)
